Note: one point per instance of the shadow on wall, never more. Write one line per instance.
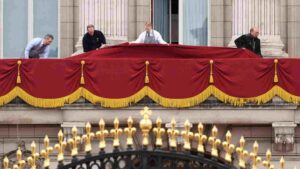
(200, 34)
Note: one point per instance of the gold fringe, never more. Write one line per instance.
(147, 91)
(48, 103)
(82, 75)
(147, 73)
(8, 97)
(179, 103)
(275, 74)
(114, 103)
(211, 78)
(19, 62)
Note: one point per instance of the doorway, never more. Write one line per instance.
(181, 22)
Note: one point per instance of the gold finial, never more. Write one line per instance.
(242, 153)
(116, 132)
(158, 132)
(101, 134)
(34, 156)
(281, 163)
(253, 155)
(20, 163)
(88, 137)
(19, 62)
(46, 152)
(267, 162)
(187, 135)
(214, 142)
(147, 72)
(82, 72)
(201, 138)
(146, 125)
(229, 148)
(173, 133)
(74, 141)
(5, 163)
(129, 131)
(60, 147)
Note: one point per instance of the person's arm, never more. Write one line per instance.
(140, 39)
(85, 44)
(29, 46)
(160, 39)
(103, 39)
(240, 42)
(259, 50)
(46, 52)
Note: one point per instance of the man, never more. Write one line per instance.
(93, 39)
(150, 36)
(250, 41)
(39, 47)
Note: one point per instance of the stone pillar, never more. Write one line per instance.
(66, 30)
(109, 16)
(1, 29)
(293, 12)
(264, 14)
(217, 23)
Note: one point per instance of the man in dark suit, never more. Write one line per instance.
(250, 41)
(93, 39)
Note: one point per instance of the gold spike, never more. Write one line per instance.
(214, 142)
(253, 155)
(5, 163)
(88, 137)
(60, 147)
(173, 133)
(282, 163)
(158, 132)
(46, 152)
(229, 148)
(129, 131)
(267, 162)
(34, 156)
(242, 153)
(187, 135)
(74, 141)
(116, 132)
(146, 125)
(20, 163)
(101, 134)
(201, 138)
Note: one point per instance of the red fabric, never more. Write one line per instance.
(166, 51)
(174, 72)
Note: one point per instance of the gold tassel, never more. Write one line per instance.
(211, 78)
(82, 76)
(147, 73)
(276, 76)
(19, 75)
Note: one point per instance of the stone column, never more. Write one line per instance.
(109, 16)
(293, 24)
(66, 29)
(264, 14)
(1, 29)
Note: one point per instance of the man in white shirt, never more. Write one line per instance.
(150, 36)
(39, 47)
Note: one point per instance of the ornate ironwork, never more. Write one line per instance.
(149, 156)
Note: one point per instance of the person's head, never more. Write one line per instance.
(48, 39)
(148, 26)
(90, 29)
(254, 31)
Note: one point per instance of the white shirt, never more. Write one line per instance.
(36, 46)
(157, 36)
